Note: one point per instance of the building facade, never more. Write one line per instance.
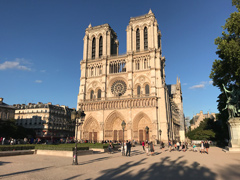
(199, 117)
(130, 87)
(6, 112)
(49, 121)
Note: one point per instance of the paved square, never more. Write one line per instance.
(164, 165)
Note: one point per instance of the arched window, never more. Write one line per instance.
(145, 38)
(138, 90)
(100, 46)
(159, 41)
(93, 48)
(137, 65)
(147, 90)
(99, 94)
(137, 40)
(91, 94)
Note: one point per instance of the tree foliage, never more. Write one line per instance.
(205, 131)
(226, 69)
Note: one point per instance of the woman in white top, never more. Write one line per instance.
(202, 147)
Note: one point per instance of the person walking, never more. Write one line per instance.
(110, 147)
(201, 147)
(147, 148)
(206, 145)
(151, 148)
(178, 145)
(170, 146)
(143, 145)
(128, 147)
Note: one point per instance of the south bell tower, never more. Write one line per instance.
(130, 87)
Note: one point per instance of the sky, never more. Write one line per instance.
(41, 46)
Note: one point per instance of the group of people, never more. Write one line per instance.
(148, 146)
(125, 147)
(184, 146)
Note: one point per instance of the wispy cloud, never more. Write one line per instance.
(201, 85)
(43, 71)
(17, 64)
(38, 81)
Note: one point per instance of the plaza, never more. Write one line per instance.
(163, 165)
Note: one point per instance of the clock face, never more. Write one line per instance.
(119, 87)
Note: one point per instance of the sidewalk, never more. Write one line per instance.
(164, 165)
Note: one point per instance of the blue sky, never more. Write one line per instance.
(41, 45)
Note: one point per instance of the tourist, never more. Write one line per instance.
(146, 148)
(143, 145)
(128, 147)
(3, 140)
(151, 148)
(110, 147)
(178, 145)
(206, 145)
(183, 147)
(194, 148)
(170, 146)
(201, 147)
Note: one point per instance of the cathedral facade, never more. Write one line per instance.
(130, 87)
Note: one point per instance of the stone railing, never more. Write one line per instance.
(118, 104)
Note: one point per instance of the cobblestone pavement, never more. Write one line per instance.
(163, 165)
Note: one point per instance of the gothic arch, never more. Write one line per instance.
(140, 116)
(111, 119)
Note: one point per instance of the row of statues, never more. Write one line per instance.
(233, 102)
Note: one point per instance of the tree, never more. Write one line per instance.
(226, 70)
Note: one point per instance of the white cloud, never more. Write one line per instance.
(17, 64)
(38, 81)
(210, 82)
(198, 86)
(43, 71)
(184, 84)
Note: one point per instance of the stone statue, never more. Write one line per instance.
(233, 102)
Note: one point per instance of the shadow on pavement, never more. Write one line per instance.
(22, 172)
(232, 172)
(94, 160)
(165, 169)
(2, 163)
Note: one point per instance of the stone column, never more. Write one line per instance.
(234, 134)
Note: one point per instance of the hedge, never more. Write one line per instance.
(13, 148)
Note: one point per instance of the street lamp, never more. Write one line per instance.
(123, 127)
(147, 130)
(160, 132)
(75, 117)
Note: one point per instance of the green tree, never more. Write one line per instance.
(226, 70)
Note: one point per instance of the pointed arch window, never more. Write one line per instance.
(91, 94)
(137, 65)
(100, 46)
(137, 39)
(138, 90)
(93, 48)
(145, 38)
(99, 94)
(145, 64)
(147, 90)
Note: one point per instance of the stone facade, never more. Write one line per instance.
(199, 117)
(129, 87)
(46, 119)
(6, 111)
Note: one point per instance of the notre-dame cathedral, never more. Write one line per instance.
(130, 87)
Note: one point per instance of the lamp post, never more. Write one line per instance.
(160, 133)
(147, 130)
(75, 117)
(123, 127)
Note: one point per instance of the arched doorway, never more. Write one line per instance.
(113, 128)
(140, 122)
(91, 130)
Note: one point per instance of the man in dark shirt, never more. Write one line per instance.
(128, 147)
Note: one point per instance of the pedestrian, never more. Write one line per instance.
(151, 148)
(201, 147)
(178, 145)
(170, 146)
(110, 147)
(143, 145)
(128, 147)
(183, 147)
(206, 145)
(147, 148)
